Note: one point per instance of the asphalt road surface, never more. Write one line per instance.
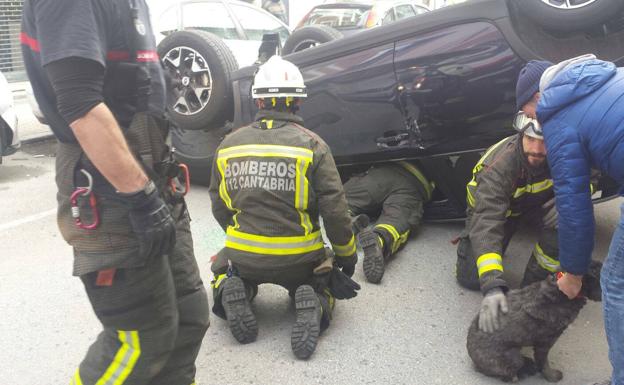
(410, 329)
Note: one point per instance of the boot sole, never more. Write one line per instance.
(241, 319)
(307, 326)
(373, 264)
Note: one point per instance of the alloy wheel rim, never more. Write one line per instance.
(192, 80)
(567, 4)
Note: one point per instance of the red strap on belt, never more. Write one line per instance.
(105, 277)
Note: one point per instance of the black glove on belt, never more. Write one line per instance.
(151, 221)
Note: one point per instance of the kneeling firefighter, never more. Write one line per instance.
(270, 182)
(393, 194)
(96, 75)
(511, 184)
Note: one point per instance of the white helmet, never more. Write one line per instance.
(278, 78)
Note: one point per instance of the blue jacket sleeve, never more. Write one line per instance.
(570, 170)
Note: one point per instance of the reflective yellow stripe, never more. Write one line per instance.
(488, 262)
(273, 245)
(419, 175)
(330, 299)
(475, 171)
(266, 150)
(534, 188)
(398, 239)
(471, 199)
(124, 360)
(345, 250)
(390, 229)
(268, 123)
(545, 261)
(223, 193)
(301, 194)
(76, 380)
(216, 281)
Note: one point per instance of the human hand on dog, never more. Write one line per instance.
(494, 300)
(570, 284)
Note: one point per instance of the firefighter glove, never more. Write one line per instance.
(341, 286)
(550, 214)
(151, 221)
(493, 303)
(347, 264)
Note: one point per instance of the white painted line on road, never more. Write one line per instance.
(28, 219)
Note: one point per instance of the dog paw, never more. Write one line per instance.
(528, 369)
(552, 375)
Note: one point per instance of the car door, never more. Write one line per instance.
(352, 104)
(457, 86)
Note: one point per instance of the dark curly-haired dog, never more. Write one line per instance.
(538, 314)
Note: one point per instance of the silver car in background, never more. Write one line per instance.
(9, 141)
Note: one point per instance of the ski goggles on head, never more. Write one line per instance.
(528, 126)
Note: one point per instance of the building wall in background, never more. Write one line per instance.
(11, 63)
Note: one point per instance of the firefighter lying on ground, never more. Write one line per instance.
(394, 194)
(270, 182)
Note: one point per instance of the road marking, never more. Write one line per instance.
(28, 219)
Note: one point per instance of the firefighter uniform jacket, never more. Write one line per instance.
(270, 181)
(503, 187)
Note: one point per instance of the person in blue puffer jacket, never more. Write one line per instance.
(581, 111)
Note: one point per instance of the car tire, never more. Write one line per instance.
(310, 36)
(201, 97)
(196, 149)
(587, 14)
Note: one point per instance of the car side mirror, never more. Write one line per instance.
(270, 46)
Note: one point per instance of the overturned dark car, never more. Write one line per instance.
(437, 87)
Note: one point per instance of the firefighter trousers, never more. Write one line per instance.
(154, 318)
(290, 278)
(394, 199)
(543, 261)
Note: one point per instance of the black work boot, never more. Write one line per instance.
(238, 312)
(307, 327)
(359, 223)
(374, 265)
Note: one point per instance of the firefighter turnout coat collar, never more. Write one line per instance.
(270, 182)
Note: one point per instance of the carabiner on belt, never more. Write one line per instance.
(75, 209)
(187, 181)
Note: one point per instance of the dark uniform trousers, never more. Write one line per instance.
(154, 312)
(543, 261)
(289, 277)
(393, 196)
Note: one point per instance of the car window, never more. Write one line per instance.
(388, 17)
(168, 21)
(338, 17)
(209, 17)
(420, 10)
(403, 11)
(257, 23)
